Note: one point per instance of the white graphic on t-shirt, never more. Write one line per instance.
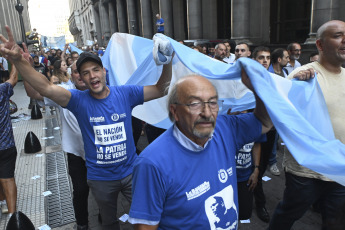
(222, 175)
(115, 117)
(221, 210)
(109, 137)
(198, 191)
(109, 134)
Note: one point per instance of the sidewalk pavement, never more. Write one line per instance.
(32, 203)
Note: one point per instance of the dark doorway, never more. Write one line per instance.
(224, 19)
(289, 20)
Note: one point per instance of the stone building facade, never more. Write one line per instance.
(254, 21)
(9, 16)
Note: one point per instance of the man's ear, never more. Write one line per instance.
(172, 109)
(319, 45)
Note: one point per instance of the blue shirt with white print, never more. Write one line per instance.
(107, 130)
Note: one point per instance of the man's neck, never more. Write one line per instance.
(105, 92)
(292, 62)
(277, 68)
(333, 68)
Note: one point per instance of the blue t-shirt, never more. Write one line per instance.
(183, 189)
(160, 29)
(107, 130)
(6, 133)
(244, 160)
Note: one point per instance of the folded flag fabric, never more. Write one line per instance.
(74, 48)
(297, 108)
(162, 49)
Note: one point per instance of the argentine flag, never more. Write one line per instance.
(297, 108)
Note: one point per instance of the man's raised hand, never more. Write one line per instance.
(9, 48)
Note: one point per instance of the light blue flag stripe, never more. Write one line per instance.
(297, 108)
(74, 48)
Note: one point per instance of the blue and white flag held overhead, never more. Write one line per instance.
(74, 48)
(56, 42)
(297, 108)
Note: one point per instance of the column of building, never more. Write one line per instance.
(240, 23)
(146, 18)
(321, 12)
(104, 17)
(165, 9)
(194, 19)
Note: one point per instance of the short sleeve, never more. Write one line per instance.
(135, 94)
(73, 104)
(246, 128)
(148, 191)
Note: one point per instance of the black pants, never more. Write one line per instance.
(153, 132)
(266, 150)
(245, 200)
(77, 171)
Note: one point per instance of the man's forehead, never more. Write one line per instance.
(336, 28)
(242, 46)
(264, 53)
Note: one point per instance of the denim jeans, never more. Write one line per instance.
(300, 193)
(106, 194)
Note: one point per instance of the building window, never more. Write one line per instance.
(289, 20)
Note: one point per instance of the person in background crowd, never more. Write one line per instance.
(242, 50)
(8, 150)
(314, 57)
(303, 186)
(294, 50)
(160, 24)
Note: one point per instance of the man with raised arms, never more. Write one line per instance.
(98, 109)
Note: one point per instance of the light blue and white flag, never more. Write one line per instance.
(297, 108)
(56, 42)
(74, 48)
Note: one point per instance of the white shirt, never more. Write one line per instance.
(4, 63)
(72, 140)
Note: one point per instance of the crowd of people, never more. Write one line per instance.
(193, 183)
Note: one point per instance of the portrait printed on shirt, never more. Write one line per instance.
(221, 210)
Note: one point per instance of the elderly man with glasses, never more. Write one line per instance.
(177, 178)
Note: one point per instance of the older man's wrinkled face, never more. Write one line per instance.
(195, 118)
(220, 51)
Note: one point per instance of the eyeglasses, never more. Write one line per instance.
(197, 107)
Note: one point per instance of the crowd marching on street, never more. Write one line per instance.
(210, 175)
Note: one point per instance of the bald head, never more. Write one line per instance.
(185, 87)
(324, 29)
(331, 45)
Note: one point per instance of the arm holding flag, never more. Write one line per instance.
(260, 110)
(163, 54)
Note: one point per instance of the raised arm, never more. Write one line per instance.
(158, 90)
(260, 110)
(39, 82)
(13, 76)
(63, 55)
